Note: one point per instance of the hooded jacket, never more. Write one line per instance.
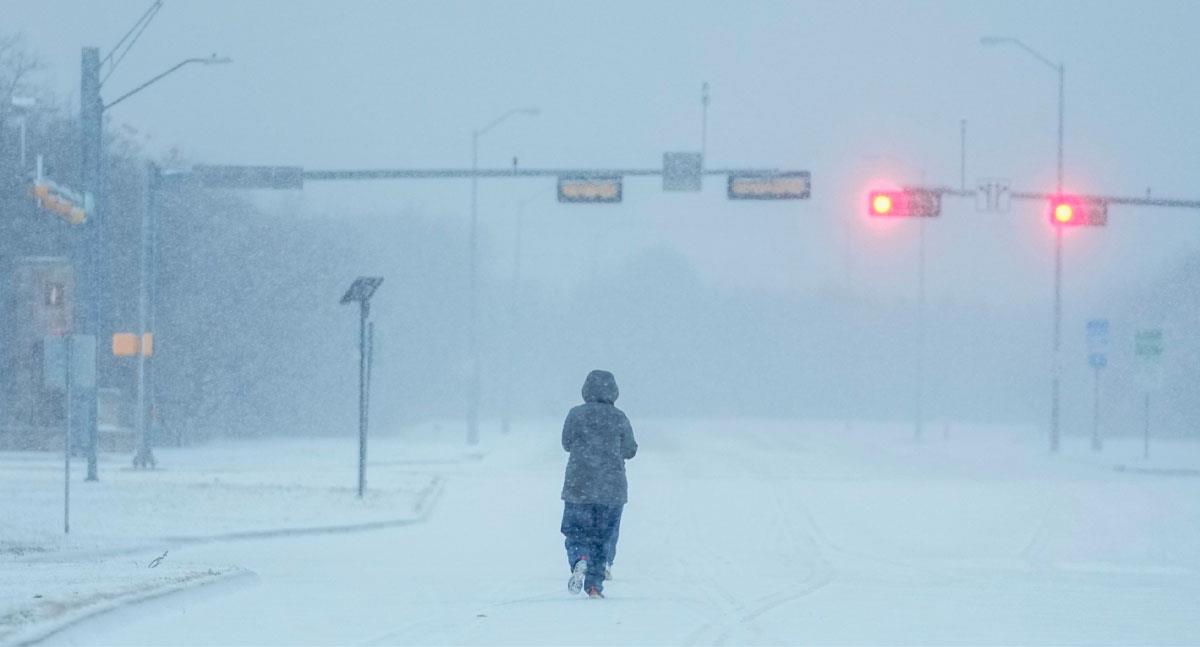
(600, 439)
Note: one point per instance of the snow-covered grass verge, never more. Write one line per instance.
(221, 491)
(39, 602)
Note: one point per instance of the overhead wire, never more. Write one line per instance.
(136, 32)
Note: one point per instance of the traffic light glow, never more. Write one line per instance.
(881, 204)
(1064, 212)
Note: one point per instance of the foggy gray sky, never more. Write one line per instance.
(858, 93)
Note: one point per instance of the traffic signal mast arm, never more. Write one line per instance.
(1026, 195)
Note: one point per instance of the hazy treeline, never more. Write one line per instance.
(251, 339)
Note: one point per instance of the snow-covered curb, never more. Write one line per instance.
(421, 512)
(40, 630)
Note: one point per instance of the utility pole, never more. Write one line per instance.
(89, 245)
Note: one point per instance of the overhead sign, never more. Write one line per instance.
(790, 185)
(1097, 341)
(992, 195)
(61, 201)
(249, 177)
(589, 189)
(681, 171)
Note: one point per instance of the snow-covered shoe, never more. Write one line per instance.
(607, 572)
(595, 593)
(578, 574)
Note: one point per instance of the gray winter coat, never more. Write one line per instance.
(600, 440)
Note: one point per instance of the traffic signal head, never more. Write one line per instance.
(1073, 211)
(905, 202)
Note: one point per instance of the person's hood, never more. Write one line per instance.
(600, 386)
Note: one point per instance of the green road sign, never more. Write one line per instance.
(1149, 343)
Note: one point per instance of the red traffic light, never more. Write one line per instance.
(1073, 211)
(906, 202)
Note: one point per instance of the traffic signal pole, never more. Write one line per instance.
(1056, 379)
(88, 249)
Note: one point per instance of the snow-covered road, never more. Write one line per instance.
(737, 533)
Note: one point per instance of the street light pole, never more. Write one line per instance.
(473, 384)
(89, 244)
(1056, 359)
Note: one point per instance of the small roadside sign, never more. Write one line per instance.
(1149, 343)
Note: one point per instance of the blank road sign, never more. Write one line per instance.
(681, 171)
(589, 189)
(791, 185)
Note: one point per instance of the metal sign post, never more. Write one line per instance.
(69, 361)
(1148, 344)
(361, 292)
(67, 442)
(1097, 341)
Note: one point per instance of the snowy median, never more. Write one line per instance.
(124, 526)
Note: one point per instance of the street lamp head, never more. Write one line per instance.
(993, 40)
(532, 112)
(216, 60)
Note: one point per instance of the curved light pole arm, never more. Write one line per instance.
(496, 122)
(206, 61)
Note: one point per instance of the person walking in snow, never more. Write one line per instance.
(600, 439)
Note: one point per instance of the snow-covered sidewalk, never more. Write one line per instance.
(223, 490)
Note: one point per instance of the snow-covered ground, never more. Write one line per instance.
(220, 491)
(738, 532)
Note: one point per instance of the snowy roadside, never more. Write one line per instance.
(220, 491)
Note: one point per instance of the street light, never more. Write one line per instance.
(473, 341)
(1056, 362)
(90, 243)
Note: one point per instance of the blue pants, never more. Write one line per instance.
(588, 527)
(610, 546)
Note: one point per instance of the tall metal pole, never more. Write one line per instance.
(68, 393)
(1097, 443)
(144, 456)
(364, 311)
(1146, 428)
(473, 384)
(23, 128)
(962, 155)
(920, 404)
(704, 99)
(1056, 362)
(90, 251)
